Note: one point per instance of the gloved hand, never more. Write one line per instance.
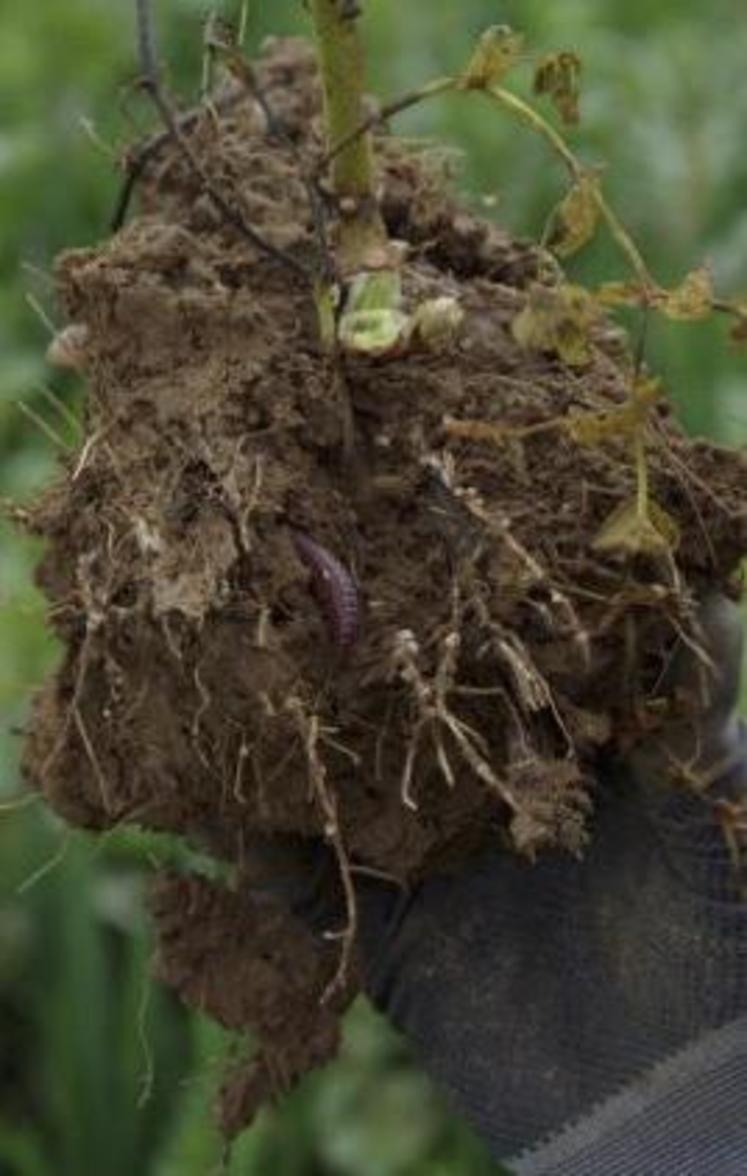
(595, 1011)
(590, 1017)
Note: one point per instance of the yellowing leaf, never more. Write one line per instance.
(559, 75)
(592, 428)
(576, 218)
(665, 524)
(630, 531)
(622, 421)
(620, 294)
(557, 319)
(646, 391)
(498, 50)
(691, 300)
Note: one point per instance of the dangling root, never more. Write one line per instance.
(433, 710)
(311, 733)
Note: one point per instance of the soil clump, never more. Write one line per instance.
(295, 604)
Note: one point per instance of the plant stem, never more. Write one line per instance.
(535, 120)
(626, 244)
(411, 98)
(641, 469)
(363, 237)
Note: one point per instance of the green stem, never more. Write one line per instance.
(626, 243)
(411, 98)
(363, 236)
(641, 477)
(529, 115)
(535, 120)
(356, 135)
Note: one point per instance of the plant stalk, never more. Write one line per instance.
(363, 237)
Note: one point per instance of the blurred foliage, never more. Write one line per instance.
(100, 1070)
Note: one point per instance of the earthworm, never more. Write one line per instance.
(335, 588)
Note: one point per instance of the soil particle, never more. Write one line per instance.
(202, 690)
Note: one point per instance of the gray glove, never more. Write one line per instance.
(590, 1017)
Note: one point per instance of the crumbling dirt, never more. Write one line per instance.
(203, 690)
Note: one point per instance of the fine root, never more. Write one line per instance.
(310, 731)
(435, 715)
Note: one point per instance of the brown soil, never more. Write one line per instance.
(203, 690)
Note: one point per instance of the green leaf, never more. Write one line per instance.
(373, 332)
(373, 322)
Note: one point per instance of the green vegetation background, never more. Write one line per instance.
(101, 1073)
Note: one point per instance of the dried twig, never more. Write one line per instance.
(151, 83)
(221, 40)
(137, 163)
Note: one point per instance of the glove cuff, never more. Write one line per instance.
(685, 1116)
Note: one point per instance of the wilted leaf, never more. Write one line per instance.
(498, 51)
(559, 75)
(646, 391)
(620, 294)
(592, 428)
(691, 300)
(628, 530)
(557, 319)
(622, 421)
(576, 218)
